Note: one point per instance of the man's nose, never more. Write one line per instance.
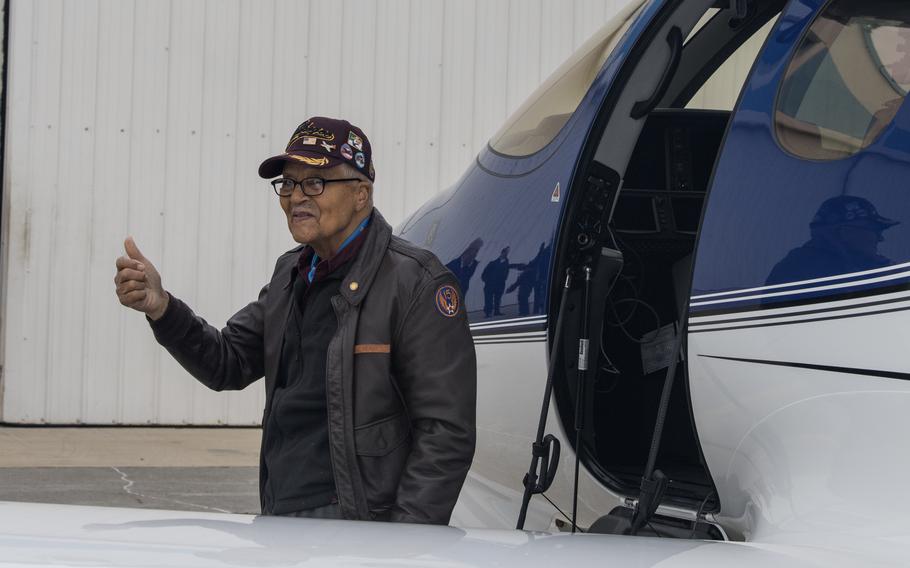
(298, 196)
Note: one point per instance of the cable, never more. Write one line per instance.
(698, 513)
(555, 506)
(622, 326)
(657, 532)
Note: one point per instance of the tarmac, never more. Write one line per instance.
(189, 469)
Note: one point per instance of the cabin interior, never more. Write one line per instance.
(641, 192)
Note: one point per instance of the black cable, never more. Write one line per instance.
(622, 326)
(657, 532)
(629, 317)
(555, 506)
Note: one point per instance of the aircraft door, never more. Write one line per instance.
(802, 261)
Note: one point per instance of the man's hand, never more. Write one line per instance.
(138, 283)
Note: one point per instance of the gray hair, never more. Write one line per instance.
(351, 171)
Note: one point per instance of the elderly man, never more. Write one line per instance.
(370, 373)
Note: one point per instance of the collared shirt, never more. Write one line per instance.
(296, 456)
(311, 267)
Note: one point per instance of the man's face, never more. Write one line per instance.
(323, 219)
(860, 239)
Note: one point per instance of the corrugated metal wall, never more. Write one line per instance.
(149, 117)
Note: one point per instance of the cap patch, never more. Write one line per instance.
(355, 141)
(360, 160)
(310, 161)
(328, 147)
(347, 152)
(447, 300)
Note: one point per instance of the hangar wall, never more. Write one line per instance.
(149, 118)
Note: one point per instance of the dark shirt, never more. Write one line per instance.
(496, 273)
(296, 458)
(463, 272)
(815, 259)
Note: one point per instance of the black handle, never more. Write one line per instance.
(675, 41)
(548, 473)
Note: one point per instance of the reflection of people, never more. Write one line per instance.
(354, 426)
(464, 265)
(494, 277)
(845, 233)
(532, 278)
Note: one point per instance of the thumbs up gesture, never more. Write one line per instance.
(138, 283)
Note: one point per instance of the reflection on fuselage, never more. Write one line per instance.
(845, 233)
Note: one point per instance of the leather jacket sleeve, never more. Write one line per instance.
(436, 370)
(229, 359)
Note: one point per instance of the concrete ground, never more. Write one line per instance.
(193, 469)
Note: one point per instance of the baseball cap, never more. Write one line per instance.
(322, 142)
(851, 210)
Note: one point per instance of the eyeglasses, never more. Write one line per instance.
(311, 186)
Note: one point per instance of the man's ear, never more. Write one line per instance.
(362, 195)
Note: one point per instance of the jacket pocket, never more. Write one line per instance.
(381, 437)
(382, 451)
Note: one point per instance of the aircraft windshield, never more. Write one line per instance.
(547, 110)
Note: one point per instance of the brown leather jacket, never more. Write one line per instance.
(401, 374)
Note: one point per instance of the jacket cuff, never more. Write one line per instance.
(173, 324)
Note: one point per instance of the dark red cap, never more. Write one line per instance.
(322, 142)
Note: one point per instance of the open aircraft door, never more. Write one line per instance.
(802, 256)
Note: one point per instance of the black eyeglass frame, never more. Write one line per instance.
(277, 183)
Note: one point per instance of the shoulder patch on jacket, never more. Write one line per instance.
(447, 300)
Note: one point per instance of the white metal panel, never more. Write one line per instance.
(181, 101)
(252, 198)
(179, 255)
(390, 109)
(26, 369)
(146, 179)
(18, 396)
(66, 336)
(421, 149)
(491, 47)
(105, 369)
(459, 56)
(217, 185)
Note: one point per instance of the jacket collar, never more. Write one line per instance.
(365, 264)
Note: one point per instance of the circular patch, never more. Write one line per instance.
(447, 300)
(347, 152)
(360, 159)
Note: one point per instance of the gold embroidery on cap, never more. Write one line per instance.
(311, 161)
(310, 129)
(372, 348)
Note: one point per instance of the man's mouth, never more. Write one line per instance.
(300, 215)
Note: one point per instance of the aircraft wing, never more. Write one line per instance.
(37, 535)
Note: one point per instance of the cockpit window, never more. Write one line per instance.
(547, 110)
(847, 79)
